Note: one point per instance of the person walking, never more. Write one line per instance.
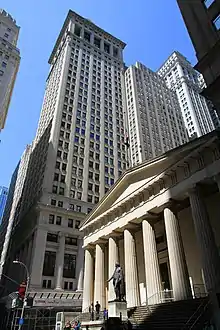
(97, 309)
(91, 311)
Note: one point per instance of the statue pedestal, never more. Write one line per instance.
(118, 309)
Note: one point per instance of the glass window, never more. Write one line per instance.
(58, 220)
(60, 204)
(78, 208)
(53, 202)
(77, 224)
(52, 237)
(49, 263)
(208, 3)
(70, 223)
(217, 22)
(71, 241)
(51, 219)
(69, 267)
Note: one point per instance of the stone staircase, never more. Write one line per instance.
(179, 315)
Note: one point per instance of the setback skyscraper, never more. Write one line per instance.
(183, 79)
(154, 116)
(78, 153)
(9, 61)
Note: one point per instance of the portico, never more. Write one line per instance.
(160, 222)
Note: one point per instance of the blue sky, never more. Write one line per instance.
(152, 29)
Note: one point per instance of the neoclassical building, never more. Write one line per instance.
(161, 222)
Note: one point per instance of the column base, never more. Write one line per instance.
(58, 289)
(118, 309)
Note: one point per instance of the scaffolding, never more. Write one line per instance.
(35, 318)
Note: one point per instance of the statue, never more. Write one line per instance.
(118, 283)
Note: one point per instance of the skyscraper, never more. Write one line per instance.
(183, 79)
(202, 19)
(3, 199)
(78, 153)
(154, 116)
(9, 61)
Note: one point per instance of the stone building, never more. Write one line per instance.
(161, 222)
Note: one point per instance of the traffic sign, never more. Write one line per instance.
(21, 321)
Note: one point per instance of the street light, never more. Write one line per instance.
(26, 289)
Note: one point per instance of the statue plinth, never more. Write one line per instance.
(118, 309)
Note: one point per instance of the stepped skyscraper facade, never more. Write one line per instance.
(79, 151)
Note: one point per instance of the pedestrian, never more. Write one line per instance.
(91, 311)
(67, 326)
(105, 314)
(97, 309)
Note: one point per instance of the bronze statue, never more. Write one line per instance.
(118, 283)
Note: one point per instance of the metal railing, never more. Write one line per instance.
(203, 306)
(160, 297)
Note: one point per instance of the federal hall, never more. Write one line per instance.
(160, 221)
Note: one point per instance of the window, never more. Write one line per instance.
(52, 237)
(56, 177)
(46, 284)
(4, 64)
(77, 224)
(217, 22)
(54, 189)
(1, 73)
(77, 30)
(61, 191)
(49, 263)
(70, 223)
(87, 36)
(53, 202)
(71, 241)
(79, 195)
(51, 219)
(78, 208)
(89, 198)
(71, 206)
(69, 267)
(208, 3)
(60, 204)
(58, 220)
(96, 200)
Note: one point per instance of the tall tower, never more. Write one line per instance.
(183, 79)
(3, 199)
(78, 153)
(154, 116)
(9, 61)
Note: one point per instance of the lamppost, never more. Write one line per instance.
(26, 289)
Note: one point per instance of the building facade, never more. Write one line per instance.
(3, 199)
(182, 78)
(78, 153)
(202, 19)
(12, 208)
(155, 122)
(9, 61)
(160, 222)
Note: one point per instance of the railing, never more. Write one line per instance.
(199, 291)
(161, 297)
(204, 305)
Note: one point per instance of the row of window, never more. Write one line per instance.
(58, 220)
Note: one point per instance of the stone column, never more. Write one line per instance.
(80, 266)
(112, 259)
(178, 267)
(206, 241)
(60, 262)
(88, 281)
(152, 271)
(131, 274)
(99, 283)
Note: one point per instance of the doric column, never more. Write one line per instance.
(60, 262)
(206, 240)
(152, 271)
(80, 266)
(131, 275)
(88, 281)
(99, 283)
(178, 267)
(112, 259)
